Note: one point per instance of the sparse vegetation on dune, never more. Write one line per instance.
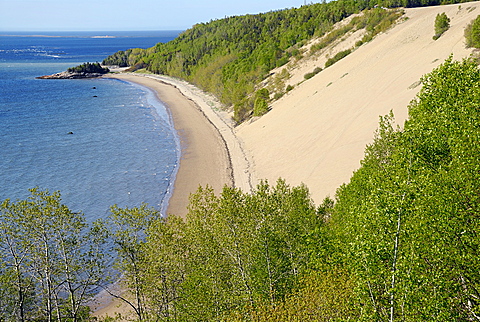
(442, 23)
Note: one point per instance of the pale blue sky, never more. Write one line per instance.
(109, 15)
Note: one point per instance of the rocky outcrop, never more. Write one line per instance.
(69, 75)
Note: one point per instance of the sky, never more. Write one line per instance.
(123, 15)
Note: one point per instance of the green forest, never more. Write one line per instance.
(399, 242)
(88, 68)
(230, 57)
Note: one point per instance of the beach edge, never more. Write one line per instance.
(211, 154)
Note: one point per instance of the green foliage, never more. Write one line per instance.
(127, 228)
(49, 260)
(311, 74)
(120, 59)
(259, 239)
(472, 33)
(321, 297)
(89, 68)
(442, 23)
(407, 222)
(262, 97)
(234, 252)
(241, 113)
(337, 57)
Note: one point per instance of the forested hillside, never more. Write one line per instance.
(400, 242)
(229, 57)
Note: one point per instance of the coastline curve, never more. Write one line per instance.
(210, 152)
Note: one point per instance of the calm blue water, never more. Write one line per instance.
(123, 149)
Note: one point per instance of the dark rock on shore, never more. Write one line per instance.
(69, 75)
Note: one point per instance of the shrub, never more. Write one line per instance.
(241, 112)
(263, 93)
(337, 57)
(472, 33)
(282, 61)
(442, 23)
(311, 74)
(260, 107)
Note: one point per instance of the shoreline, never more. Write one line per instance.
(212, 109)
(204, 153)
(210, 152)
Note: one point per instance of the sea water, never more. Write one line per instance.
(99, 142)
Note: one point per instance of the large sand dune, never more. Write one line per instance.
(317, 133)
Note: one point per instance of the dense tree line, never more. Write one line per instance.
(89, 68)
(229, 57)
(400, 242)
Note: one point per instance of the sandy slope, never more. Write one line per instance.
(317, 133)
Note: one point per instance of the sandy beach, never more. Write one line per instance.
(204, 156)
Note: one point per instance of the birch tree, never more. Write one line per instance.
(52, 257)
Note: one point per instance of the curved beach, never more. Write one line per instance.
(209, 150)
(211, 154)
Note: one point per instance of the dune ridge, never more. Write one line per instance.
(317, 133)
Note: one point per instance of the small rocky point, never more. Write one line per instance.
(69, 75)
